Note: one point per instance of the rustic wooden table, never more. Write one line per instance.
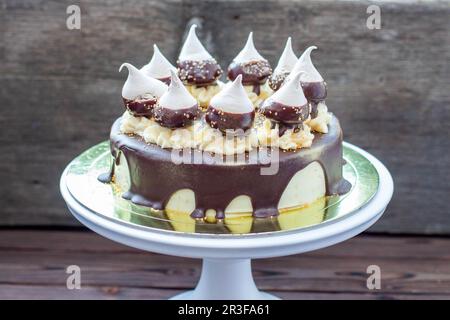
(33, 266)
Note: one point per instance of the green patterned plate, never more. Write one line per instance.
(83, 185)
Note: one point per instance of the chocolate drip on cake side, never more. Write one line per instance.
(107, 177)
(315, 92)
(254, 73)
(155, 177)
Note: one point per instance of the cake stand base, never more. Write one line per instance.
(226, 271)
(226, 279)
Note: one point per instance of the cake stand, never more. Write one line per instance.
(226, 270)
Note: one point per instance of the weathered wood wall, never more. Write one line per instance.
(60, 89)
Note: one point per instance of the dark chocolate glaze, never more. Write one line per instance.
(199, 73)
(108, 177)
(313, 109)
(256, 89)
(288, 115)
(140, 107)
(315, 91)
(254, 73)
(229, 121)
(166, 80)
(155, 177)
(277, 79)
(171, 118)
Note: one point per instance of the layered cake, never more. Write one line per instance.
(256, 146)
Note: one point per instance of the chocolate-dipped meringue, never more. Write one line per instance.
(140, 93)
(288, 106)
(314, 87)
(158, 67)
(231, 109)
(285, 65)
(176, 108)
(195, 65)
(253, 67)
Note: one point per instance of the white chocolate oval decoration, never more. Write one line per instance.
(306, 186)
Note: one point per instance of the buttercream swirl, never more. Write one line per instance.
(204, 94)
(290, 140)
(257, 99)
(203, 137)
(320, 123)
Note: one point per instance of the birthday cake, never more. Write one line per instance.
(255, 145)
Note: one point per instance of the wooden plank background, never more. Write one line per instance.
(33, 266)
(60, 88)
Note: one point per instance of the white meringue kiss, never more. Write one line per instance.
(138, 84)
(193, 49)
(249, 52)
(232, 98)
(305, 64)
(290, 93)
(158, 67)
(287, 60)
(176, 97)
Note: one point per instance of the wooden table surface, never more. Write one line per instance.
(33, 266)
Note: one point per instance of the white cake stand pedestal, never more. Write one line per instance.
(226, 271)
